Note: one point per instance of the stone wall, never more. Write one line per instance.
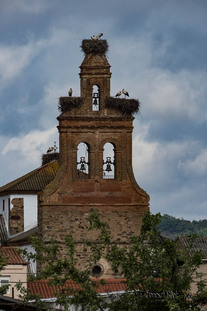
(58, 221)
(16, 217)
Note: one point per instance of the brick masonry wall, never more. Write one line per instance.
(65, 204)
(58, 221)
(16, 217)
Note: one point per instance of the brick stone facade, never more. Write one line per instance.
(16, 217)
(66, 202)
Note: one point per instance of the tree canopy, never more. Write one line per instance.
(157, 275)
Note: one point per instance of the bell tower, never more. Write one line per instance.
(95, 80)
(95, 143)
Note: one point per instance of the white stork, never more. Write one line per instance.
(99, 35)
(94, 38)
(125, 92)
(50, 149)
(70, 92)
(118, 94)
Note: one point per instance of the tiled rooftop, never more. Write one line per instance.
(33, 181)
(14, 258)
(44, 290)
(200, 243)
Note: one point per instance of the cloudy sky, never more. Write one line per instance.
(158, 53)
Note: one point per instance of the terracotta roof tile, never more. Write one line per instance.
(43, 289)
(200, 243)
(33, 181)
(14, 258)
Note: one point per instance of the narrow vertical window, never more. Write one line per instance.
(109, 161)
(3, 205)
(82, 161)
(95, 98)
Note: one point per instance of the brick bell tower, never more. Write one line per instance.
(95, 143)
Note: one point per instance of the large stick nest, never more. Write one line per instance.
(126, 106)
(69, 103)
(94, 46)
(48, 157)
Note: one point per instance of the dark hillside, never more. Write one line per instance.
(171, 227)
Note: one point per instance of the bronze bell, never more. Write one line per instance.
(82, 164)
(82, 167)
(108, 167)
(95, 102)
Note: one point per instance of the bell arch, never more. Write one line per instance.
(109, 153)
(95, 97)
(83, 160)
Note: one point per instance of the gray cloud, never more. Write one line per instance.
(158, 53)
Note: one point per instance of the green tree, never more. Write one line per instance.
(157, 275)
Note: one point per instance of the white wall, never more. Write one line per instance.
(30, 209)
(33, 264)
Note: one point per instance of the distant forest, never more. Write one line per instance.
(172, 227)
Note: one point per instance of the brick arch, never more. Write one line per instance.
(91, 150)
(95, 96)
(117, 155)
(112, 141)
(84, 140)
(109, 155)
(83, 160)
(92, 84)
(95, 84)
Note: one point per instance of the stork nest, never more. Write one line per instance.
(48, 157)
(68, 103)
(94, 46)
(126, 106)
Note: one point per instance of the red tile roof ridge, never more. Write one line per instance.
(117, 280)
(43, 289)
(14, 258)
(23, 178)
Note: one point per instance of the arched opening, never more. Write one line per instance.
(83, 161)
(95, 98)
(109, 161)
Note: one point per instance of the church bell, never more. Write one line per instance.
(108, 164)
(82, 164)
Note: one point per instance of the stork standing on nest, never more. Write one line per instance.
(70, 92)
(97, 37)
(125, 92)
(50, 149)
(118, 94)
